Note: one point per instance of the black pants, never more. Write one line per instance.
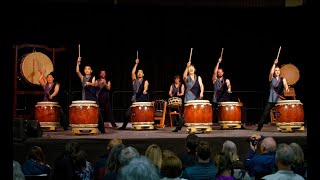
(107, 113)
(265, 114)
(64, 122)
(215, 112)
(126, 119)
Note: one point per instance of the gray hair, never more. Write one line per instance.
(139, 168)
(269, 144)
(127, 154)
(17, 172)
(230, 149)
(284, 154)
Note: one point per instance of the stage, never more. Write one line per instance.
(52, 142)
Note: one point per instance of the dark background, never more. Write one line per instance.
(163, 32)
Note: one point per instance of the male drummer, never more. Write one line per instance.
(140, 88)
(221, 89)
(277, 84)
(194, 89)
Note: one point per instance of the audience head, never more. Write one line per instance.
(298, 153)
(17, 172)
(268, 145)
(154, 153)
(223, 162)
(284, 155)
(230, 149)
(127, 154)
(112, 163)
(36, 154)
(167, 153)
(204, 150)
(72, 147)
(171, 167)
(139, 168)
(113, 142)
(192, 141)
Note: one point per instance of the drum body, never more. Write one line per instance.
(83, 114)
(229, 112)
(142, 113)
(174, 102)
(289, 112)
(47, 113)
(198, 112)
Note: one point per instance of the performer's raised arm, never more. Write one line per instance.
(185, 73)
(272, 69)
(145, 87)
(215, 71)
(133, 72)
(78, 69)
(201, 87)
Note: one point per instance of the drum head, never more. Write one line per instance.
(227, 103)
(197, 101)
(290, 72)
(83, 102)
(288, 102)
(142, 104)
(30, 65)
(44, 103)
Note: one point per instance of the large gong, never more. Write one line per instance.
(32, 64)
(291, 73)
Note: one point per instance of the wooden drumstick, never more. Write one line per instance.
(279, 52)
(221, 52)
(79, 50)
(190, 54)
(137, 54)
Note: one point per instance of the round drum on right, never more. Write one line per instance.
(289, 112)
(198, 112)
(229, 112)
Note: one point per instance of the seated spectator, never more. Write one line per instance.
(230, 149)
(190, 158)
(299, 166)
(225, 167)
(139, 168)
(204, 168)
(171, 168)
(83, 168)
(36, 163)
(284, 159)
(99, 167)
(259, 165)
(17, 172)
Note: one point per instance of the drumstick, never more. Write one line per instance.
(137, 54)
(79, 50)
(190, 54)
(279, 52)
(221, 52)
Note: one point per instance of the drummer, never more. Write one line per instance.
(176, 90)
(51, 93)
(221, 89)
(140, 91)
(194, 89)
(277, 85)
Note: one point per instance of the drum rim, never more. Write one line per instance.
(226, 103)
(197, 101)
(46, 102)
(289, 102)
(84, 102)
(141, 104)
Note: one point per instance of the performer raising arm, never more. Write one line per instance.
(277, 84)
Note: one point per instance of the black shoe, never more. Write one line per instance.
(121, 128)
(114, 125)
(258, 129)
(175, 130)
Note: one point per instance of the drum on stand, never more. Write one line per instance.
(198, 115)
(289, 114)
(142, 115)
(83, 116)
(47, 114)
(229, 114)
(174, 102)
